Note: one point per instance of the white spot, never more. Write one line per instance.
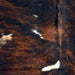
(5, 38)
(35, 15)
(49, 68)
(36, 32)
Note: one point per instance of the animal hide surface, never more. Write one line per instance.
(37, 37)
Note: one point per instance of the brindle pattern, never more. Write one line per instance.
(27, 54)
(68, 47)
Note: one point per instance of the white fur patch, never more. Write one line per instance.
(35, 15)
(51, 67)
(5, 38)
(36, 32)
